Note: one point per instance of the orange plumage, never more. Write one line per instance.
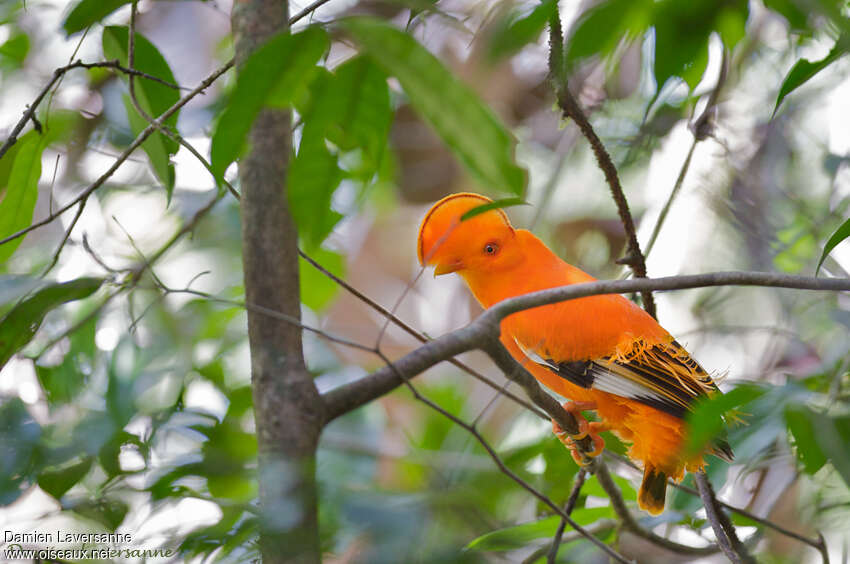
(602, 352)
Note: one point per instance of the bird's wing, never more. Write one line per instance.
(663, 376)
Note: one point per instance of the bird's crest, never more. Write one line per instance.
(445, 216)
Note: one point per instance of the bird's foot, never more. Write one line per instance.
(586, 429)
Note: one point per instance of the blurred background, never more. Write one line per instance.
(130, 409)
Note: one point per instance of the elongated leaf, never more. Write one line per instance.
(21, 192)
(14, 287)
(682, 30)
(21, 323)
(350, 108)
(804, 69)
(108, 512)
(603, 27)
(19, 437)
(832, 436)
(88, 12)
(317, 290)
(65, 380)
(455, 112)
(514, 33)
(518, 536)
(272, 75)
(14, 51)
(58, 481)
(313, 177)
(153, 97)
(799, 421)
(158, 147)
(840, 234)
(494, 205)
(363, 117)
(706, 421)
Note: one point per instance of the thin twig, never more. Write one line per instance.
(727, 539)
(350, 396)
(123, 156)
(162, 127)
(65, 238)
(630, 524)
(416, 334)
(597, 528)
(671, 198)
(702, 128)
(568, 509)
(570, 108)
(57, 74)
(307, 11)
(503, 468)
(740, 511)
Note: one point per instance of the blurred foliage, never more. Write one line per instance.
(153, 98)
(122, 396)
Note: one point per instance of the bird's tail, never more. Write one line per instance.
(653, 490)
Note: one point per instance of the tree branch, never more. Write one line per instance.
(728, 540)
(552, 557)
(571, 109)
(503, 468)
(350, 396)
(287, 407)
(416, 334)
(629, 524)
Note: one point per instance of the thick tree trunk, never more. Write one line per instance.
(287, 406)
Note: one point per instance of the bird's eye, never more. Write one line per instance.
(491, 248)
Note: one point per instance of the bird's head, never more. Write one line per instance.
(483, 243)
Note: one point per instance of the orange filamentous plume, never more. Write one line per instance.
(602, 352)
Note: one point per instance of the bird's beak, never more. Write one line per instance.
(447, 268)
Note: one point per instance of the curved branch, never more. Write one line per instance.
(570, 108)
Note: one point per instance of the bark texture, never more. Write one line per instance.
(287, 406)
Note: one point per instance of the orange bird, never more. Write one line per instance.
(604, 353)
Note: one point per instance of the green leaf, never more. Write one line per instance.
(514, 33)
(58, 481)
(351, 108)
(804, 69)
(14, 51)
(456, 113)
(19, 438)
(840, 234)
(153, 97)
(21, 192)
(494, 205)
(682, 30)
(88, 12)
(317, 290)
(601, 29)
(797, 18)
(22, 321)
(519, 536)
(108, 512)
(158, 147)
(65, 380)
(706, 420)
(13, 287)
(822, 436)
(594, 488)
(272, 74)
(360, 107)
(800, 424)
(314, 175)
